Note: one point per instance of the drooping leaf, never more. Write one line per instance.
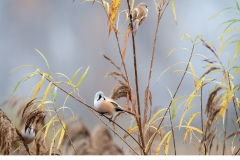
(53, 140)
(15, 88)
(39, 85)
(61, 135)
(45, 95)
(24, 65)
(194, 77)
(167, 144)
(162, 141)
(48, 125)
(44, 60)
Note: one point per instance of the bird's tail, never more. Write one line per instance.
(135, 28)
(120, 109)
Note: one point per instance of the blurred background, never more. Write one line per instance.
(74, 35)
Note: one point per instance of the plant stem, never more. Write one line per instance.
(173, 95)
(136, 82)
(91, 108)
(225, 132)
(65, 130)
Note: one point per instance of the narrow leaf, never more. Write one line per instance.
(167, 144)
(82, 78)
(161, 143)
(75, 74)
(48, 125)
(61, 135)
(44, 60)
(45, 95)
(174, 10)
(113, 13)
(15, 88)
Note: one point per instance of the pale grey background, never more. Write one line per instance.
(71, 35)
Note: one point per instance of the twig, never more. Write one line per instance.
(136, 82)
(65, 130)
(116, 133)
(91, 108)
(173, 95)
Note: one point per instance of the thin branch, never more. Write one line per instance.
(92, 108)
(173, 95)
(136, 81)
(65, 130)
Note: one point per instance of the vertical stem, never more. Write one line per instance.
(174, 144)
(225, 132)
(136, 82)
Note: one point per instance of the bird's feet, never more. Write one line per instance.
(110, 119)
(100, 114)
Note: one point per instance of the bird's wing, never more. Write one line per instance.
(116, 106)
(134, 13)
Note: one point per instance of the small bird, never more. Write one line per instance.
(28, 135)
(138, 15)
(106, 105)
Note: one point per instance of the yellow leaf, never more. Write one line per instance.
(53, 140)
(226, 99)
(192, 70)
(181, 120)
(154, 116)
(174, 10)
(132, 4)
(191, 118)
(113, 13)
(45, 95)
(161, 143)
(236, 51)
(132, 129)
(186, 134)
(198, 86)
(62, 135)
(189, 122)
(47, 127)
(39, 85)
(167, 144)
(193, 128)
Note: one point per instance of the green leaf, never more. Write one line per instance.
(75, 74)
(24, 65)
(44, 60)
(82, 78)
(15, 88)
(55, 94)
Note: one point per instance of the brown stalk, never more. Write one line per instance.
(136, 81)
(91, 108)
(149, 77)
(173, 96)
(234, 99)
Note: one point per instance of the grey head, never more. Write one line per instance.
(143, 5)
(99, 95)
